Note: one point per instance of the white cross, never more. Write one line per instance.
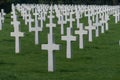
(30, 20)
(13, 13)
(68, 38)
(58, 14)
(51, 24)
(78, 18)
(66, 16)
(88, 14)
(26, 16)
(103, 23)
(62, 24)
(41, 18)
(2, 15)
(93, 14)
(0, 22)
(106, 21)
(90, 28)
(14, 17)
(23, 13)
(116, 14)
(81, 32)
(50, 47)
(44, 14)
(97, 24)
(36, 28)
(17, 34)
(71, 19)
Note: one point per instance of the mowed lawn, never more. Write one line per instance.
(99, 60)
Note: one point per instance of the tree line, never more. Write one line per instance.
(86, 2)
(6, 4)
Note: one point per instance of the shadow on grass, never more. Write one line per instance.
(7, 76)
(65, 70)
(87, 58)
(7, 40)
(6, 63)
(93, 47)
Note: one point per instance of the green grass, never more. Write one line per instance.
(98, 61)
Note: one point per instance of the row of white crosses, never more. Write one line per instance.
(90, 26)
(39, 17)
(37, 28)
(69, 37)
(101, 20)
(17, 34)
(63, 19)
(97, 17)
(51, 46)
(117, 14)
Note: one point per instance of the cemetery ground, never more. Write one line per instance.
(99, 60)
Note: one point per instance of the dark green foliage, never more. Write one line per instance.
(6, 4)
(99, 2)
(6, 7)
